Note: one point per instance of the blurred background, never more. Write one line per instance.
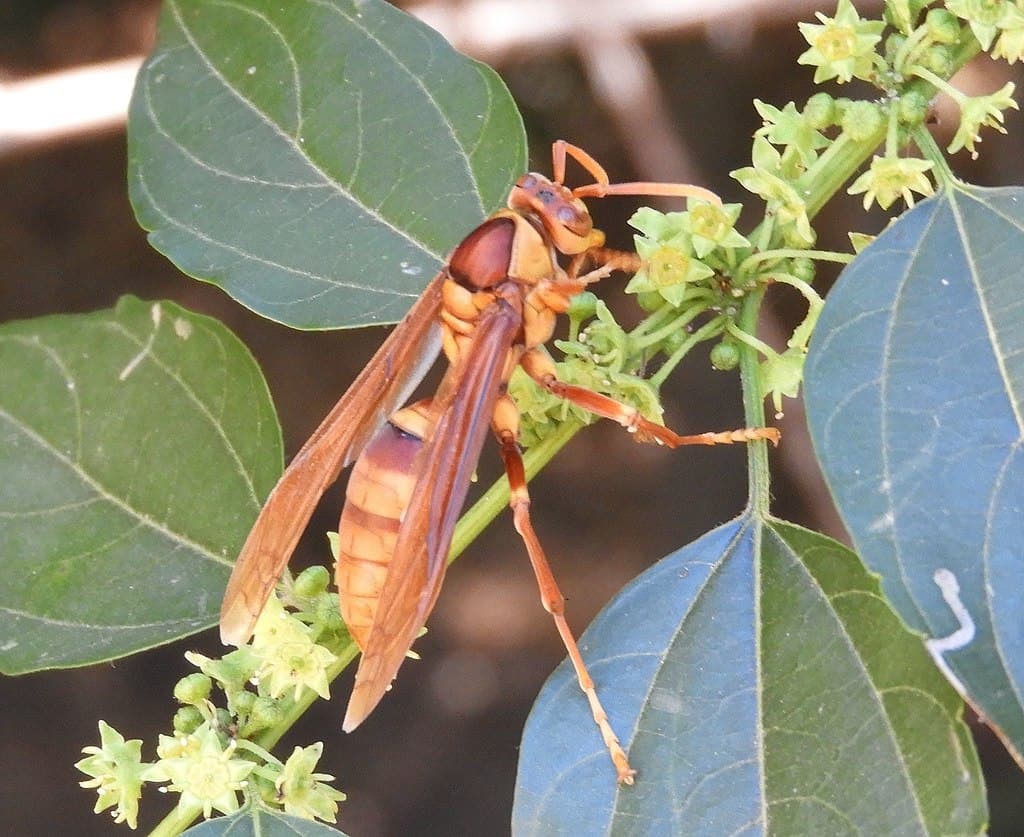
(655, 90)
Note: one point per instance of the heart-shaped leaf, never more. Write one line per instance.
(915, 400)
(138, 444)
(261, 822)
(760, 684)
(317, 158)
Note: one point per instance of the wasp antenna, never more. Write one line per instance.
(561, 148)
(672, 190)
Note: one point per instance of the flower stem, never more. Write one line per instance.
(753, 409)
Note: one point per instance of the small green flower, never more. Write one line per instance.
(664, 227)
(781, 375)
(117, 770)
(712, 227)
(204, 772)
(669, 266)
(290, 659)
(668, 270)
(891, 178)
(302, 792)
(985, 17)
(783, 200)
(842, 47)
(1010, 45)
(788, 127)
(232, 671)
(602, 343)
(980, 111)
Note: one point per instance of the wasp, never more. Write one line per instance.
(490, 310)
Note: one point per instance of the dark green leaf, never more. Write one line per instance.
(138, 444)
(261, 822)
(316, 158)
(915, 398)
(761, 685)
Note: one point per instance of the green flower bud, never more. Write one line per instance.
(725, 356)
(327, 615)
(914, 107)
(187, 720)
(674, 341)
(583, 306)
(797, 238)
(943, 26)
(265, 713)
(223, 719)
(312, 581)
(820, 111)
(939, 59)
(243, 702)
(861, 120)
(193, 689)
(893, 44)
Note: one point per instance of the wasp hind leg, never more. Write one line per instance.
(506, 428)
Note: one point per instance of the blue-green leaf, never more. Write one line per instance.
(761, 685)
(915, 400)
(261, 822)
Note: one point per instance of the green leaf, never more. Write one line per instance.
(138, 444)
(317, 158)
(915, 400)
(261, 822)
(760, 684)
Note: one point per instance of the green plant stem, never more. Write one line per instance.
(705, 332)
(836, 166)
(177, 821)
(680, 322)
(793, 253)
(758, 474)
(930, 149)
(654, 320)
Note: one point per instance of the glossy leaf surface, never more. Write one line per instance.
(915, 399)
(317, 158)
(137, 446)
(761, 685)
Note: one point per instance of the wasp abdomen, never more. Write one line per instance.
(378, 494)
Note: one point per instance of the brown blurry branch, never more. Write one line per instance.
(82, 100)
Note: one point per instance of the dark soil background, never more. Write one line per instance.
(439, 755)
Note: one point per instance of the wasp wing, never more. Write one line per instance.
(444, 469)
(386, 382)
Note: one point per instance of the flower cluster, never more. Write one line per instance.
(600, 357)
(210, 759)
(682, 252)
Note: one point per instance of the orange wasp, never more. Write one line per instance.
(491, 309)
